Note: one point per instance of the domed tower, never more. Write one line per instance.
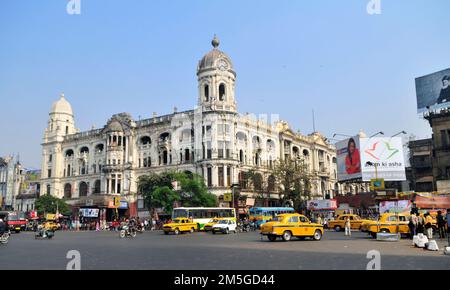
(60, 124)
(61, 121)
(216, 80)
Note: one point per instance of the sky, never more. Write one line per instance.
(355, 70)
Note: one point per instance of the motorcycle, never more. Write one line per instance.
(127, 231)
(44, 234)
(140, 229)
(5, 237)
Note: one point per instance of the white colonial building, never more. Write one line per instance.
(213, 140)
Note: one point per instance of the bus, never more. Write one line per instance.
(15, 220)
(203, 215)
(262, 215)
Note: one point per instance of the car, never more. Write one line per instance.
(287, 226)
(387, 223)
(338, 224)
(51, 225)
(208, 226)
(224, 226)
(180, 225)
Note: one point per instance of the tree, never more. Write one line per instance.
(158, 190)
(294, 182)
(49, 204)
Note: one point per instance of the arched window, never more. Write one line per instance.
(69, 153)
(187, 154)
(83, 190)
(146, 140)
(222, 92)
(99, 148)
(68, 190)
(271, 183)
(241, 156)
(84, 150)
(97, 187)
(206, 92)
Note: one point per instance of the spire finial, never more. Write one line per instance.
(215, 42)
(62, 96)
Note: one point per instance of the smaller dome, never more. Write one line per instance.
(210, 60)
(114, 126)
(62, 106)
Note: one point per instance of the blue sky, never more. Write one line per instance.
(355, 70)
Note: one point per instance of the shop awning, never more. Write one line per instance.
(435, 202)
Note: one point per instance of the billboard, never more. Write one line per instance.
(322, 204)
(384, 154)
(348, 159)
(433, 91)
(30, 184)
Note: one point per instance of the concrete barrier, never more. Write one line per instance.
(387, 237)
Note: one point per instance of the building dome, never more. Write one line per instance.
(114, 126)
(62, 106)
(212, 58)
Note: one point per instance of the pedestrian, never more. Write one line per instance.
(428, 225)
(412, 224)
(420, 224)
(153, 224)
(441, 225)
(319, 220)
(348, 229)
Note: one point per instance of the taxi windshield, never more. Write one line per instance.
(223, 222)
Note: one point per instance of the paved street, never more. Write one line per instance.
(198, 251)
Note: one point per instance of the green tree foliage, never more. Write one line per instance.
(294, 182)
(159, 192)
(47, 204)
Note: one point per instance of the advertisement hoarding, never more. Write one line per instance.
(325, 204)
(89, 212)
(30, 184)
(433, 91)
(365, 159)
(348, 159)
(385, 154)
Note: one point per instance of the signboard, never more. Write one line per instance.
(325, 204)
(376, 184)
(50, 216)
(123, 204)
(433, 91)
(30, 184)
(401, 206)
(370, 158)
(117, 201)
(348, 159)
(386, 194)
(89, 212)
(386, 156)
(227, 197)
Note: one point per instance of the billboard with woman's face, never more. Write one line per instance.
(348, 159)
(433, 91)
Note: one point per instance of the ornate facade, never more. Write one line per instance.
(212, 140)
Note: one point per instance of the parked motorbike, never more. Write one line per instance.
(140, 229)
(44, 234)
(5, 237)
(127, 231)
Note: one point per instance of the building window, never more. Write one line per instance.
(83, 190)
(50, 158)
(48, 189)
(206, 92)
(209, 176)
(49, 173)
(222, 92)
(221, 179)
(68, 190)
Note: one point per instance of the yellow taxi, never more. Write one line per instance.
(387, 223)
(51, 225)
(180, 225)
(339, 223)
(291, 225)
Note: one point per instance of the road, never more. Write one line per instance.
(204, 251)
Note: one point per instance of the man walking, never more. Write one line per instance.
(428, 226)
(441, 225)
(348, 229)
